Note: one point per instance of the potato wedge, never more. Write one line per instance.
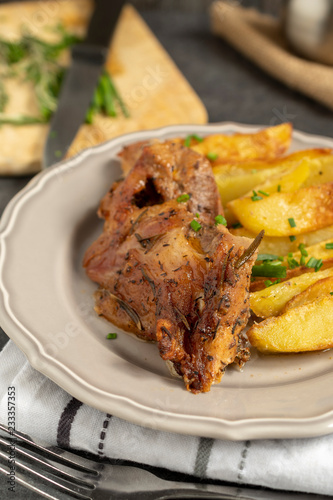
(285, 180)
(271, 301)
(317, 290)
(318, 251)
(233, 185)
(282, 245)
(259, 282)
(267, 144)
(286, 214)
(308, 327)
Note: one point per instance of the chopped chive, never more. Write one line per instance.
(292, 238)
(212, 156)
(301, 248)
(267, 256)
(318, 265)
(331, 293)
(263, 192)
(183, 197)
(268, 283)
(279, 188)
(302, 260)
(292, 222)
(197, 215)
(329, 246)
(189, 138)
(255, 196)
(267, 270)
(219, 219)
(111, 336)
(237, 225)
(195, 225)
(315, 263)
(292, 263)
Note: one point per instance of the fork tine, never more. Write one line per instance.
(31, 476)
(65, 472)
(58, 454)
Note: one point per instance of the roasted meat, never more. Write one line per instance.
(165, 278)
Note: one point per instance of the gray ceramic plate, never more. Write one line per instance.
(46, 307)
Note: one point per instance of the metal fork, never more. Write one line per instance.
(57, 474)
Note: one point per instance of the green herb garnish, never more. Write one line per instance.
(34, 60)
(263, 192)
(292, 222)
(195, 225)
(183, 197)
(329, 246)
(256, 197)
(268, 270)
(189, 138)
(111, 336)
(219, 219)
(292, 238)
(212, 156)
(267, 256)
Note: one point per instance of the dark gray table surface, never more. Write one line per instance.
(231, 88)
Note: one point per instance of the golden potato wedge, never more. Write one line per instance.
(259, 282)
(286, 180)
(282, 245)
(313, 292)
(318, 251)
(271, 301)
(267, 144)
(321, 170)
(286, 214)
(233, 185)
(308, 327)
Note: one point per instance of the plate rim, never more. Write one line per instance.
(257, 428)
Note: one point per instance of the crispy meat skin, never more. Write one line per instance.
(165, 282)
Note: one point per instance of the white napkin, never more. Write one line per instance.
(46, 411)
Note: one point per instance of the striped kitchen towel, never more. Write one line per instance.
(46, 411)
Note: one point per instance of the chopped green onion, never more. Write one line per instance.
(268, 283)
(302, 260)
(237, 225)
(183, 197)
(301, 248)
(219, 219)
(189, 138)
(318, 265)
(329, 246)
(263, 192)
(195, 225)
(111, 336)
(255, 196)
(292, 238)
(331, 293)
(267, 256)
(315, 263)
(197, 215)
(292, 263)
(292, 222)
(212, 156)
(267, 270)
(279, 188)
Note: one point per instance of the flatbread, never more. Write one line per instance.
(154, 90)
